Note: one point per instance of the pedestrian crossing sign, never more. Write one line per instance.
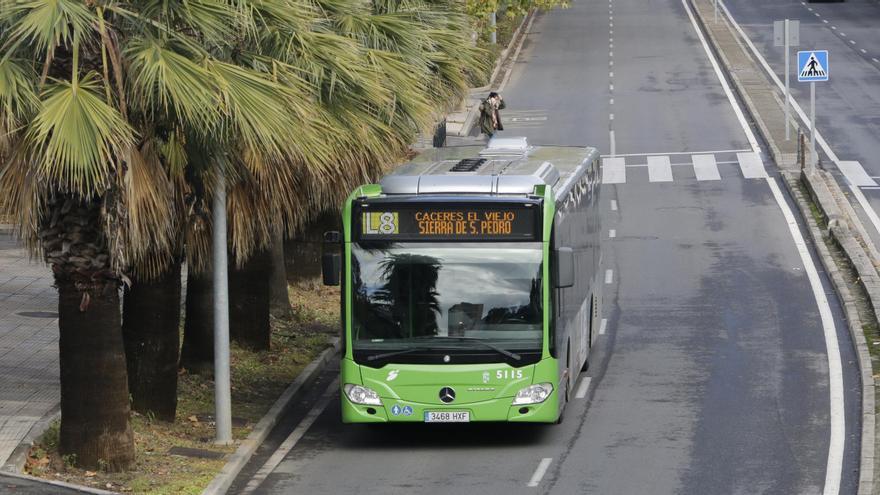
(813, 66)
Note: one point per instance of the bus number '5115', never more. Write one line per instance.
(508, 374)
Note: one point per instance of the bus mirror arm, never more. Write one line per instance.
(563, 268)
(331, 264)
(331, 260)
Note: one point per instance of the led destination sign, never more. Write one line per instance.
(449, 222)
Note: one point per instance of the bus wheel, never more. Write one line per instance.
(564, 405)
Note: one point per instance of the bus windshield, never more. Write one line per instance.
(446, 297)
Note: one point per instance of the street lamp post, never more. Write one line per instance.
(222, 385)
(493, 36)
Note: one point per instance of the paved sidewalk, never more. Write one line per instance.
(29, 387)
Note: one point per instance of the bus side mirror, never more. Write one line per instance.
(331, 261)
(563, 268)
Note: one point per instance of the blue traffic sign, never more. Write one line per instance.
(813, 66)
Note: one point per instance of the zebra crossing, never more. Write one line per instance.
(705, 166)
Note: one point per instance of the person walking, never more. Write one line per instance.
(490, 118)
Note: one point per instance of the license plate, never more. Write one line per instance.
(447, 417)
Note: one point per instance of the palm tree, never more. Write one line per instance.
(115, 118)
(94, 94)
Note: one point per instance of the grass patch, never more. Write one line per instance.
(258, 378)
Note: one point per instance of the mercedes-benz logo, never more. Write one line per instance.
(447, 394)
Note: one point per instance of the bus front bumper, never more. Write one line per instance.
(500, 409)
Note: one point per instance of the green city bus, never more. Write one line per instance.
(470, 285)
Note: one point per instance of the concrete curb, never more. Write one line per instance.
(17, 460)
(838, 232)
(823, 193)
(221, 483)
(505, 63)
(60, 484)
(516, 40)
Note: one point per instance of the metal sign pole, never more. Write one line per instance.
(222, 385)
(813, 157)
(787, 87)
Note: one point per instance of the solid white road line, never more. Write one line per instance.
(659, 169)
(855, 173)
(614, 171)
(753, 141)
(602, 326)
(290, 442)
(613, 205)
(583, 388)
(613, 141)
(540, 472)
(612, 234)
(834, 464)
(872, 215)
(705, 167)
(609, 276)
(751, 165)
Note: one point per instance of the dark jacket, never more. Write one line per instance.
(486, 109)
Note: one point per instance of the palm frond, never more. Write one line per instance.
(79, 136)
(41, 24)
(18, 99)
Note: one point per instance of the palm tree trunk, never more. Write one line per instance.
(95, 411)
(249, 302)
(151, 332)
(279, 299)
(197, 354)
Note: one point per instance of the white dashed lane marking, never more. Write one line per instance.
(583, 388)
(540, 472)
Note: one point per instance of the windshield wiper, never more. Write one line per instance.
(375, 357)
(500, 350)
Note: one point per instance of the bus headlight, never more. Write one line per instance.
(533, 394)
(362, 395)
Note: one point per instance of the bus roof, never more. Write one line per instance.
(505, 166)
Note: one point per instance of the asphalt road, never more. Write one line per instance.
(713, 374)
(848, 106)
